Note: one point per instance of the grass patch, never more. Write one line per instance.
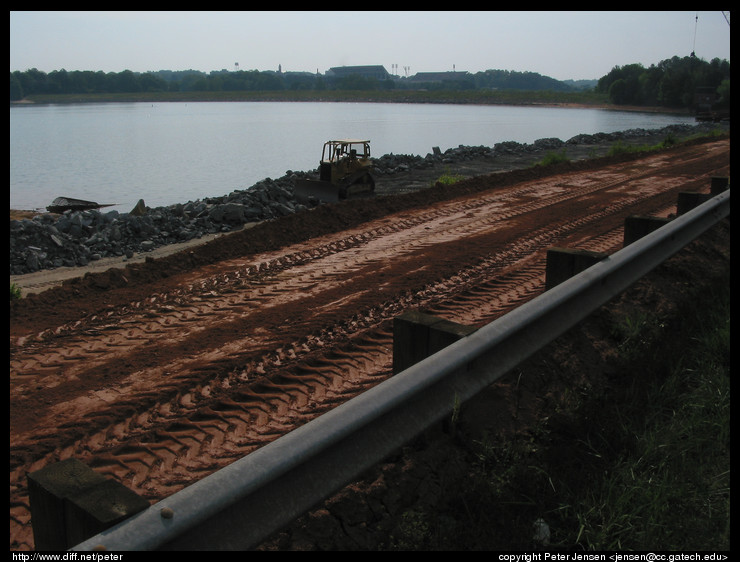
(15, 292)
(670, 487)
(649, 462)
(621, 148)
(642, 465)
(448, 178)
(552, 158)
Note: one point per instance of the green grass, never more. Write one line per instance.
(621, 148)
(15, 292)
(664, 440)
(642, 465)
(553, 158)
(448, 178)
(670, 487)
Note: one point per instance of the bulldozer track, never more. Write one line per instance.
(194, 374)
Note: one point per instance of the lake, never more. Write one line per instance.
(175, 152)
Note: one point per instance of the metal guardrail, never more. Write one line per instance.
(243, 504)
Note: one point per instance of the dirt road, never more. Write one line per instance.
(162, 372)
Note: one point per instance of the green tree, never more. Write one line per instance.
(150, 82)
(33, 81)
(670, 83)
(126, 82)
(619, 91)
(648, 83)
(16, 89)
(59, 82)
(622, 84)
(724, 93)
(356, 82)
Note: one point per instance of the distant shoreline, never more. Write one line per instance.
(576, 100)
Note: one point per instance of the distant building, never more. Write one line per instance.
(373, 71)
(436, 77)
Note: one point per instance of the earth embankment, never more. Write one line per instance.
(158, 373)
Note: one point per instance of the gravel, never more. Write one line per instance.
(77, 238)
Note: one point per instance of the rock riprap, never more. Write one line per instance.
(49, 241)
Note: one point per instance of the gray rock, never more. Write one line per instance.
(231, 213)
(75, 238)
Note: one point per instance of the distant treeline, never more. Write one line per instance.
(34, 82)
(671, 83)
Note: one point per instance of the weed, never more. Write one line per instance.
(552, 158)
(412, 532)
(641, 465)
(672, 487)
(15, 292)
(448, 178)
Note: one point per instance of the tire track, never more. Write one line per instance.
(291, 334)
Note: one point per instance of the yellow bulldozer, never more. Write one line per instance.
(345, 172)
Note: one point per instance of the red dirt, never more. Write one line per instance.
(164, 371)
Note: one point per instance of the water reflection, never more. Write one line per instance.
(168, 153)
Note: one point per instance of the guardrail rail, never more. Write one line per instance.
(241, 505)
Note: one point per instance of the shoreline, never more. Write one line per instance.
(19, 214)
(411, 179)
(404, 97)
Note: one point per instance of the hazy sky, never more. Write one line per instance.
(563, 45)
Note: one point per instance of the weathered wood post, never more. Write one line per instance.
(417, 335)
(688, 200)
(719, 184)
(564, 263)
(635, 227)
(70, 503)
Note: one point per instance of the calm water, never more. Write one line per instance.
(168, 153)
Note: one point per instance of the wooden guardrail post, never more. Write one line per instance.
(70, 503)
(635, 227)
(564, 263)
(688, 200)
(719, 184)
(417, 335)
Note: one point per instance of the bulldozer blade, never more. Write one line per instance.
(321, 190)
